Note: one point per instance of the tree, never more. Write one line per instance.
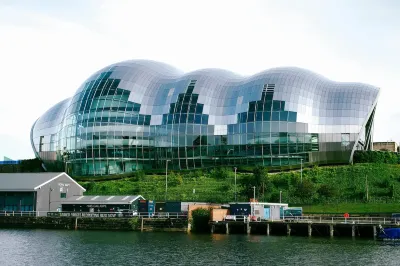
(261, 181)
(326, 191)
(305, 190)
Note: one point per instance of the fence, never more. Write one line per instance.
(318, 219)
(19, 213)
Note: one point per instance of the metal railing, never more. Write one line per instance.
(18, 213)
(159, 215)
(343, 220)
(317, 219)
(116, 214)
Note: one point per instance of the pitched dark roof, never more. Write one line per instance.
(102, 199)
(27, 181)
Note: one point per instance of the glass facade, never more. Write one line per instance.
(138, 114)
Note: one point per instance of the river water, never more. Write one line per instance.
(51, 247)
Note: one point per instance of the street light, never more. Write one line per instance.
(166, 178)
(66, 167)
(229, 159)
(50, 190)
(301, 171)
(254, 200)
(235, 184)
(280, 196)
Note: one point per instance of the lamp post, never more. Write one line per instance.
(301, 171)
(166, 178)
(229, 159)
(50, 190)
(66, 167)
(254, 200)
(280, 196)
(235, 184)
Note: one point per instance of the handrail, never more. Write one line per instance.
(116, 214)
(318, 219)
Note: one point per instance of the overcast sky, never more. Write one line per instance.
(48, 48)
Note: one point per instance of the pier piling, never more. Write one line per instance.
(309, 230)
(267, 229)
(288, 229)
(331, 230)
(227, 228)
(374, 231)
(248, 228)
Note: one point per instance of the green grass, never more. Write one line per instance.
(333, 189)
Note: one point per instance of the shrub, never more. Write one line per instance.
(200, 219)
(134, 223)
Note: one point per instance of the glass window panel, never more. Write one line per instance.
(252, 107)
(259, 116)
(260, 106)
(250, 117)
(283, 116)
(276, 106)
(267, 116)
(292, 116)
(199, 109)
(275, 116)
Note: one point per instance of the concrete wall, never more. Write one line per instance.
(385, 146)
(62, 184)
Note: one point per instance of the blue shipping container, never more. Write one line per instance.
(240, 209)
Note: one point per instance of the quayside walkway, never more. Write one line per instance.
(306, 226)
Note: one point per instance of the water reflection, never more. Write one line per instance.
(48, 247)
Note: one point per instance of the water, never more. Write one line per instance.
(49, 247)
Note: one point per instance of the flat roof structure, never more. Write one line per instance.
(102, 199)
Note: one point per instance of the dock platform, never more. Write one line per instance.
(307, 226)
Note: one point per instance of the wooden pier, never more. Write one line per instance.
(307, 226)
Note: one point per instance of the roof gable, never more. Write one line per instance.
(29, 181)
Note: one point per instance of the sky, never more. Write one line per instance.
(48, 48)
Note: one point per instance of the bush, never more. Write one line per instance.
(221, 173)
(134, 223)
(376, 157)
(200, 220)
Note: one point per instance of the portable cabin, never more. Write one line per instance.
(272, 211)
(288, 212)
(146, 206)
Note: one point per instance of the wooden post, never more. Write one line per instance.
(76, 223)
(212, 229)
(331, 231)
(353, 230)
(288, 229)
(227, 228)
(248, 228)
(189, 227)
(309, 230)
(267, 229)
(374, 230)
(141, 226)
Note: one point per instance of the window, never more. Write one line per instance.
(345, 139)
(41, 143)
(63, 195)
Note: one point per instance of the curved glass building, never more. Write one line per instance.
(139, 114)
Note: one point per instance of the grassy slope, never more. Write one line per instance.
(347, 184)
